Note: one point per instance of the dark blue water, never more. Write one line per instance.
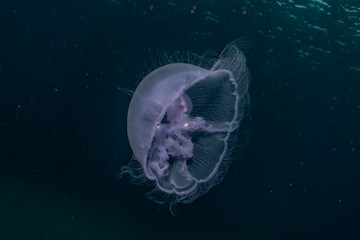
(63, 119)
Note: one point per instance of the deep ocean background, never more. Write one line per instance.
(63, 119)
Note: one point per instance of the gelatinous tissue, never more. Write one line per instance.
(183, 123)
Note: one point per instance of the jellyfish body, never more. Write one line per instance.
(183, 123)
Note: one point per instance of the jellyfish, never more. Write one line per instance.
(183, 124)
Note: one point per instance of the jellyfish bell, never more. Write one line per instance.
(183, 123)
